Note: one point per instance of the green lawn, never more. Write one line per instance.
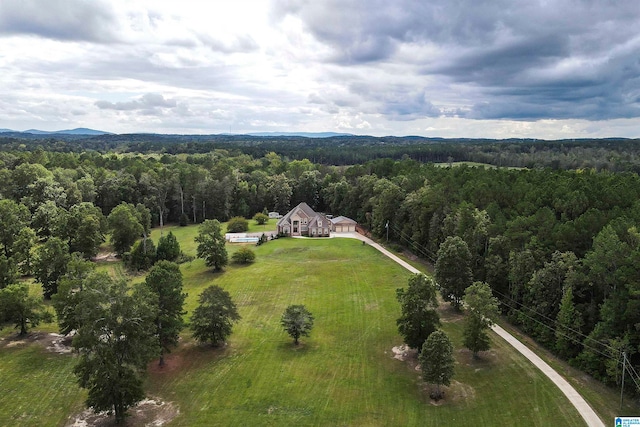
(343, 374)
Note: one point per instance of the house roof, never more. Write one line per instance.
(342, 220)
(306, 210)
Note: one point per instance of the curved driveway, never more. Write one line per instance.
(589, 415)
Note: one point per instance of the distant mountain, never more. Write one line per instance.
(3, 130)
(303, 134)
(76, 131)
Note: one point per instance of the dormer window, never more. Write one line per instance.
(319, 223)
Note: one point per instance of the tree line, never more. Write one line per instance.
(559, 248)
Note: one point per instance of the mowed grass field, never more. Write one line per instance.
(343, 374)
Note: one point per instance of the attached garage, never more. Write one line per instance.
(342, 224)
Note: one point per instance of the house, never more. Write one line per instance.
(342, 224)
(274, 215)
(304, 221)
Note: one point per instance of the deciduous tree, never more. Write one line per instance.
(50, 264)
(17, 306)
(418, 304)
(211, 244)
(437, 362)
(115, 342)
(165, 280)
(297, 321)
(125, 227)
(482, 310)
(70, 288)
(453, 269)
(213, 319)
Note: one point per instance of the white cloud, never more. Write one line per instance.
(509, 69)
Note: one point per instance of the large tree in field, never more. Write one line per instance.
(211, 244)
(165, 280)
(213, 319)
(482, 310)
(22, 309)
(115, 341)
(297, 321)
(436, 361)
(453, 269)
(418, 304)
(51, 264)
(125, 226)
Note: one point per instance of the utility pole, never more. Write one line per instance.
(624, 366)
(387, 227)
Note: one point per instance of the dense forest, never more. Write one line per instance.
(558, 240)
(613, 154)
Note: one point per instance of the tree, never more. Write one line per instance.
(244, 255)
(115, 342)
(297, 321)
(211, 244)
(168, 248)
(237, 224)
(125, 227)
(142, 256)
(17, 306)
(23, 250)
(482, 309)
(437, 362)
(453, 269)
(70, 288)
(13, 217)
(260, 218)
(85, 226)
(568, 326)
(213, 319)
(50, 264)
(8, 271)
(165, 280)
(418, 304)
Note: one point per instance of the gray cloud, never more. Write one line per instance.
(59, 19)
(149, 104)
(522, 59)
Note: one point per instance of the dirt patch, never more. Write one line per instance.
(407, 355)
(172, 362)
(54, 343)
(105, 257)
(149, 412)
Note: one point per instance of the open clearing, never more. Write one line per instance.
(344, 374)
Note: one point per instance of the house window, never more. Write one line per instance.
(304, 221)
(319, 223)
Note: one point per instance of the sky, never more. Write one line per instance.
(547, 69)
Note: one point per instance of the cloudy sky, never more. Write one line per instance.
(452, 68)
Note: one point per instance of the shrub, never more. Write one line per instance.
(260, 218)
(237, 224)
(243, 255)
(184, 220)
